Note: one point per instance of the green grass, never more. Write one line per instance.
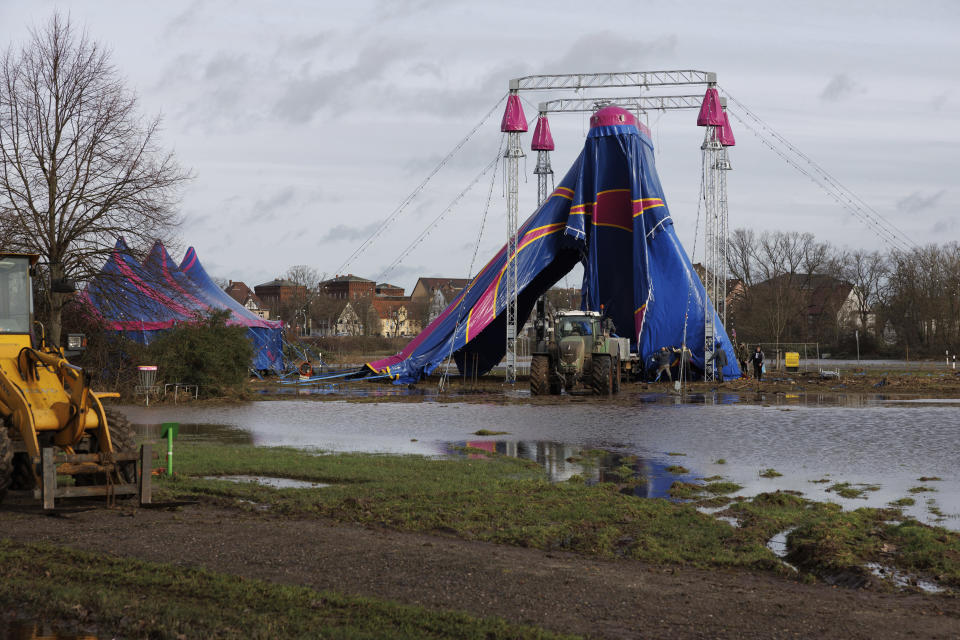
(498, 499)
(677, 469)
(903, 502)
(144, 599)
(848, 490)
(770, 473)
(488, 432)
(920, 489)
(510, 501)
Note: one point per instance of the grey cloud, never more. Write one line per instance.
(938, 101)
(603, 50)
(224, 64)
(183, 20)
(299, 45)
(390, 9)
(400, 272)
(305, 95)
(346, 232)
(274, 201)
(945, 225)
(840, 86)
(915, 202)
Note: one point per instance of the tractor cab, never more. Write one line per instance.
(16, 300)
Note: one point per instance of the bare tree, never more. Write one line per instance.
(80, 166)
(868, 272)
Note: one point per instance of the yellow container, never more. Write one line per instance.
(791, 359)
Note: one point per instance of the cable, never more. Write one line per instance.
(413, 194)
(473, 260)
(880, 226)
(423, 234)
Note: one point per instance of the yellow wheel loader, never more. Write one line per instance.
(54, 425)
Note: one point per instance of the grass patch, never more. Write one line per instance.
(920, 489)
(677, 469)
(511, 501)
(720, 461)
(770, 473)
(820, 481)
(144, 599)
(929, 479)
(671, 453)
(847, 490)
(488, 432)
(903, 502)
(500, 499)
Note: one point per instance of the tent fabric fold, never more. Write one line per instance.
(609, 214)
(139, 301)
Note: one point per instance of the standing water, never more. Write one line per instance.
(814, 441)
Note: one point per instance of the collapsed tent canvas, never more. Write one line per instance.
(609, 214)
(141, 300)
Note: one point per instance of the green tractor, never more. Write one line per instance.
(577, 353)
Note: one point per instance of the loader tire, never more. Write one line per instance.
(6, 461)
(601, 378)
(556, 382)
(540, 375)
(23, 477)
(123, 438)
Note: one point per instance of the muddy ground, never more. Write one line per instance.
(555, 590)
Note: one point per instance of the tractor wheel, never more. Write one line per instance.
(601, 379)
(616, 374)
(6, 461)
(539, 375)
(23, 478)
(123, 439)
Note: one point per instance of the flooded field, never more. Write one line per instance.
(878, 448)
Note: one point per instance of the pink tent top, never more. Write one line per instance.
(725, 132)
(711, 113)
(513, 118)
(612, 115)
(542, 140)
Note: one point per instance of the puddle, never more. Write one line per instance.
(276, 483)
(854, 438)
(903, 580)
(778, 544)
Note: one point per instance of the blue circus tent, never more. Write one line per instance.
(139, 301)
(609, 214)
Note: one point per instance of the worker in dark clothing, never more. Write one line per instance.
(743, 356)
(757, 360)
(663, 358)
(719, 361)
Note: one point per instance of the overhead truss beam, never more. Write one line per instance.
(632, 103)
(619, 79)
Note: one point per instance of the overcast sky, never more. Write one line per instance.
(307, 123)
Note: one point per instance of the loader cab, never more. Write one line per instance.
(16, 298)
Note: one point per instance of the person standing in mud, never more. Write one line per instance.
(663, 364)
(743, 356)
(757, 360)
(719, 361)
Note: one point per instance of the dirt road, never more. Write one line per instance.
(559, 591)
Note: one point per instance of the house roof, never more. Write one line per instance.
(240, 292)
(347, 278)
(386, 305)
(279, 282)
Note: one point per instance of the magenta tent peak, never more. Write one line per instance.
(725, 132)
(513, 118)
(711, 113)
(542, 140)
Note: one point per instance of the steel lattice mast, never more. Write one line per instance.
(514, 123)
(715, 164)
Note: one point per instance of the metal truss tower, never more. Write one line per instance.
(715, 164)
(514, 123)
